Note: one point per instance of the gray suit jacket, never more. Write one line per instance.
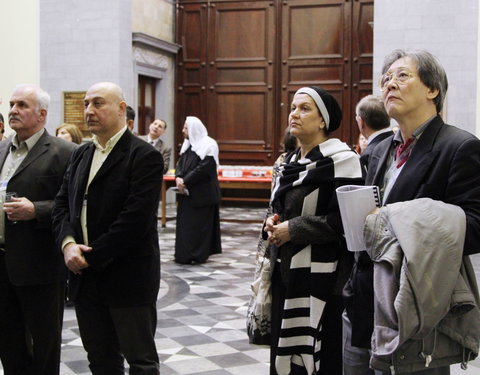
(427, 281)
(31, 256)
(166, 151)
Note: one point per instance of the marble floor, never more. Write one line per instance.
(201, 309)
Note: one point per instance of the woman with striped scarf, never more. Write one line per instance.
(309, 258)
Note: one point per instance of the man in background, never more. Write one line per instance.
(373, 122)
(154, 137)
(32, 274)
(130, 118)
(106, 224)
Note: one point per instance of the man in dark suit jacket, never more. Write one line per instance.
(105, 222)
(154, 137)
(32, 274)
(373, 122)
(425, 159)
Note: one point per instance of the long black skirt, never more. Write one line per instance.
(331, 336)
(198, 232)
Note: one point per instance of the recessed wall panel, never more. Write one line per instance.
(238, 116)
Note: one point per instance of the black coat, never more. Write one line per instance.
(200, 178)
(444, 165)
(121, 220)
(365, 157)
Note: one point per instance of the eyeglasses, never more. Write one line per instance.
(401, 77)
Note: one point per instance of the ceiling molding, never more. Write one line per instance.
(148, 41)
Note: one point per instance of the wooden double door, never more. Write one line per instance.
(242, 61)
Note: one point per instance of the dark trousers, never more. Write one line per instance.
(110, 334)
(356, 360)
(331, 335)
(30, 326)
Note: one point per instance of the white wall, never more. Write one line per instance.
(155, 18)
(449, 30)
(19, 62)
(478, 75)
(83, 42)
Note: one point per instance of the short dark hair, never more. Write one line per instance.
(1, 118)
(162, 120)
(130, 113)
(429, 70)
(372, 110)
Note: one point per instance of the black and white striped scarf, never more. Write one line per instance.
(312, 272)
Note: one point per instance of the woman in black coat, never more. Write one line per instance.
(309, 257)
(198, 218)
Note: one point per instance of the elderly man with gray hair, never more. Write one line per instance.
(32, 275)
(373, 122)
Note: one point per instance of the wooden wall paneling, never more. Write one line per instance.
(362, 53)
(191, 78)
(315, 50)
(240, 94)
(242, 61)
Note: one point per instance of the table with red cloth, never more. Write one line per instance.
(243, 183)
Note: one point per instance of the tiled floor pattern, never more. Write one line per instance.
(201, 309)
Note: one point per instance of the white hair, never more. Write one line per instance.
(43, 98)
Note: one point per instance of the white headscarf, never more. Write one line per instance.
(198, 138)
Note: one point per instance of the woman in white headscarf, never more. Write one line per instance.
(198, 218)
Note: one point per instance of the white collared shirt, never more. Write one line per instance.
(99, 156)
(151, 140)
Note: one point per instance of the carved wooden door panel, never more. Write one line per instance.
(362, 58)
(242, 61)
(192, 33)
(241, 105)
(316, 51)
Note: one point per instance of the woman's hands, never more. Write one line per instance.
(180, 185)
(277, 231)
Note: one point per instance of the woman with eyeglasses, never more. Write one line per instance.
(309, 257)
